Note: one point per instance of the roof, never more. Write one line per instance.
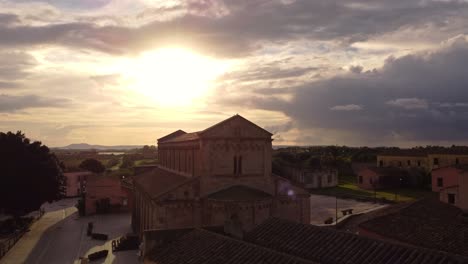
(205, 247)
(180, 136)
(424, 152)
(329, 246)
(239, 193)
(234, 117)
(426, 223)
(183, 137)
(172, 135)
(158, 181)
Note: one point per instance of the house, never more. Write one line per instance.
(105, 194)
(426, 160)
(311, 178)
(282, 241)
(371, 177)
(76, 182)
(452, 185)
(426, 223)
(219, 175)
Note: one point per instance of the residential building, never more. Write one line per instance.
(283, 241)
(219, 175)
(311, 178)
(371, 177)
(422, 159)
(426, 223)
(76, 182)
(105, 194)
(452, 185)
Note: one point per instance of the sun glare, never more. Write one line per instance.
(173, 76)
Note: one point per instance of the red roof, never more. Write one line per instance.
(159, 181)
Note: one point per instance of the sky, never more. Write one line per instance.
(313, 72)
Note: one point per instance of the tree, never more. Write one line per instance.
(92, 165)
(30, 174)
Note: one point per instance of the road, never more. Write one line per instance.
(59, 237)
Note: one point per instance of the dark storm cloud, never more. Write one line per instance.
(415, 97)
(249, 24)
(12, 103)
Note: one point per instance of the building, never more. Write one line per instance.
(422, 159)
(212, 177)
(310, 178)
(426, 223)
(105, 194)
(282, 241)
(371, 177)
(452, 185)
(76, 182)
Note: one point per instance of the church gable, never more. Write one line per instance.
(236, 127)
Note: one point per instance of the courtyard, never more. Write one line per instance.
(323, 207)
(59, 237)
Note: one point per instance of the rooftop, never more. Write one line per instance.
(283, 241)
(239, 193)
(426, 223)
(204, 247)
(326, 245)
(158, 181)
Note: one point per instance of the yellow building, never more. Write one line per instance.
(421, 159)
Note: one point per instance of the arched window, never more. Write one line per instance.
(235, 165)
(239, 170)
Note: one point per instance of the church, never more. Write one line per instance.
(220, 176)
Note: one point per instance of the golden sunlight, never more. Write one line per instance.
(173, 76)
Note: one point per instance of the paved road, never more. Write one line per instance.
(59, 237)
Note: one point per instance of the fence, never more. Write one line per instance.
(6, 245)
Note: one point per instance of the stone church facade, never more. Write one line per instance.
(214, 177)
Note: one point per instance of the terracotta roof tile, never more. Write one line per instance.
(426, 223)
(205, 247)
(159, 181)
(329, 246)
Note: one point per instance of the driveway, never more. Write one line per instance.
(59, 237)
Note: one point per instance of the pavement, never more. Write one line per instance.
(323, 207)
(59, 237)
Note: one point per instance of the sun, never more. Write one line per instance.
(173, 76)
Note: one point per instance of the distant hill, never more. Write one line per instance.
(84, 146)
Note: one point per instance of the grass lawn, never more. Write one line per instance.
(146, 162)
(347, 186)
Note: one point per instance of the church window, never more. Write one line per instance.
(235, 165)
(240, 165)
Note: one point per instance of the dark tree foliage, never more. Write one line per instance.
(92, 165)
(30, 174)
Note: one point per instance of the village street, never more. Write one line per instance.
(59, 237)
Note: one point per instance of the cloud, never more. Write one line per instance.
(401, 100)
(15, 65)
(240, 27)
(409, 103)
(12, 103)
(349, 107)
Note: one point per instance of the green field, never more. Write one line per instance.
(347, 186)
